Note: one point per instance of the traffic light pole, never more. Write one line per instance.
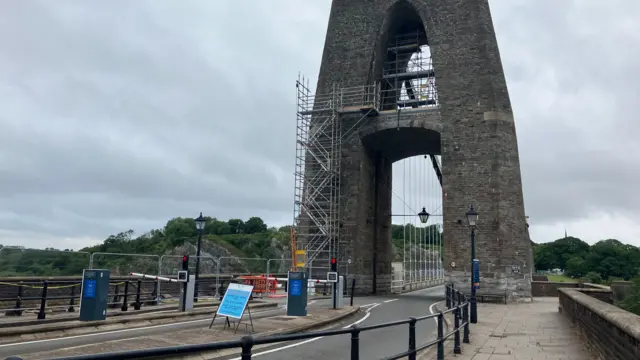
(185, 267)
(334, 268)
(335, 296)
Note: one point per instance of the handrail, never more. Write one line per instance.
(456, 303)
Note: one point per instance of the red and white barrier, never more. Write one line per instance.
(317, 281)
(159, 278)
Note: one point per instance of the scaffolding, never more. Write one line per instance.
(317, 170)
(408, 75)
(408, 81)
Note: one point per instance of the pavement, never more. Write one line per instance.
(525, 331)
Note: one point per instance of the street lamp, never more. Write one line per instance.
(472, 219)
(200, 222)
(423, 215)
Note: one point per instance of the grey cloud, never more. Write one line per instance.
(120, 115)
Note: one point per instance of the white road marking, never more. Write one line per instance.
(367, 314)
(388, 301)
(117, 331)
(366, 305)
(433, 312)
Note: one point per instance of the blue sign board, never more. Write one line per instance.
(235, 300)
(295, 287)
(476, 273)
(89, 289)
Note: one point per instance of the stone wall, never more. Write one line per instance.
(609, 332)
(549, 288)
(620, 289)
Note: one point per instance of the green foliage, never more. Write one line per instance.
(593, 277)
(400, 235)
(604, 260)
(631, 301)
(241, 239)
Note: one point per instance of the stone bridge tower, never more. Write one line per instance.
(401, 78)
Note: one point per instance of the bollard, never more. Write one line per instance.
(43, 300)
(125, 299)
(155, 295)
(247, 344)
(412, 338)
(440, 336)
(465, 317)
(115, 297)
(324, 289)
(18, 312)
(355, 343)
(456, 335)
(72, 301)
(136, 305)
(453, 299)
(459, 298)
(353, 289)
(448, 296)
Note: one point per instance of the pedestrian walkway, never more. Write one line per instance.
(526, 331)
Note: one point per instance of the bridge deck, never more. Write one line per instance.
(531, 331)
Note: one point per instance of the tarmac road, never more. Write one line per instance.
(374, 344)
(86, 339)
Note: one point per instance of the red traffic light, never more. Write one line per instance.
(185, 258)
(333, 260)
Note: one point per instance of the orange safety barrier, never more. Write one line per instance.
(260, 283)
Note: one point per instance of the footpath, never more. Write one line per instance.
(525, 331)
(275, 325)
(170, 314)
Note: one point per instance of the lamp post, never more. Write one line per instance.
(472, 218)
(200, 222)
(423, 215)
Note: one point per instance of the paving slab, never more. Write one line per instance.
(275, 325)
(525, 331)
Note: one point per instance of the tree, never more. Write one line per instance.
(235, 226)
(631, 302)
(254, 225)
(575, 267)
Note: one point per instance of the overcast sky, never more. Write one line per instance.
(123, 114)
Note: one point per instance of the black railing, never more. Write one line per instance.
(456, 304)
(44, 300)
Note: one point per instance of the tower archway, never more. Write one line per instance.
(376, 101)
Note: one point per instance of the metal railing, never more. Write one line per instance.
(456, 303)
(67, 302)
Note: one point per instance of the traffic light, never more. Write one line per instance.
(334, 264)
(185, 263)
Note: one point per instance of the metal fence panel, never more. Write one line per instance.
(122, 264)
(22, 262)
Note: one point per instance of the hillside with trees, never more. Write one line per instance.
(236, 240)
(606, 260)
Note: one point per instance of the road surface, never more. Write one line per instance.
(374, 344)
